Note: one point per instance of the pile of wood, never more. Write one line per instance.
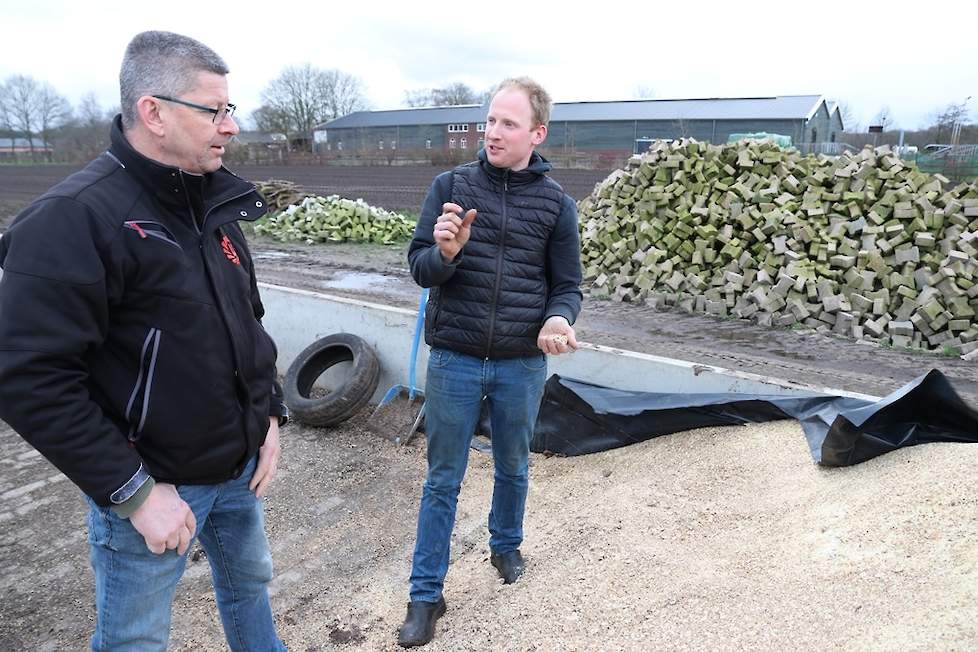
(863, 244)
(280, 194)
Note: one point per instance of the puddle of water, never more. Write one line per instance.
(357, 281)
(267, 255)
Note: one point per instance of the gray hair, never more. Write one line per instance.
(162, 63)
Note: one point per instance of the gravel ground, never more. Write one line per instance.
(719, 539)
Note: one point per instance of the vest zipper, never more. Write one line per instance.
(499, 267)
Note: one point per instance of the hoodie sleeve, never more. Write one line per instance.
(427, 266)
(54, 308)
(564, 265)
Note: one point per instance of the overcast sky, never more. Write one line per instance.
(867, 54)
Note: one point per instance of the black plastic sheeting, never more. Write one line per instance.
(577, 418)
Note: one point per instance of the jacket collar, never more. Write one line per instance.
(169, 184)
(537, 167)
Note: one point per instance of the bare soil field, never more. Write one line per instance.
(397, 188)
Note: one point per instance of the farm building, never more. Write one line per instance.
(12, 149)
(595, 129)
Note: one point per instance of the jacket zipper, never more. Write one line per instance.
(238, 383)
(161, 234)
(190, 206)
(144, 384)
(499, 268)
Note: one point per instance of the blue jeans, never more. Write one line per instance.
(134, 588)
(454, 389)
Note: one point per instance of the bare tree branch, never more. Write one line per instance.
(452, 95)
(305, 96)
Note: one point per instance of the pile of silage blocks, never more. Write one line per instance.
(863, 244)
(336, 219)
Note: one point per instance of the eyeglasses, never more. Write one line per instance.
(218, 115)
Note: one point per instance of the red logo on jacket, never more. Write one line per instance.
(229, 250)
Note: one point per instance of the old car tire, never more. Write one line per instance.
(347, 399)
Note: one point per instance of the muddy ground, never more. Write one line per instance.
(721, 538)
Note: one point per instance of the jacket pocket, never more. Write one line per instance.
(138, 405)
(151, 229)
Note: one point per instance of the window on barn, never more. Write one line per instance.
(465, 143)
(451, 143)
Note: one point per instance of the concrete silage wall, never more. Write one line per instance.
(296, 318)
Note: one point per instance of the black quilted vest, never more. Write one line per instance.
(494, 304)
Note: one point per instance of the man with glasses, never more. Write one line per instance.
(134, 358)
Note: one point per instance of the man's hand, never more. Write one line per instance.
(556, 336)
(165, 520)
(452, 231)
(268, 456)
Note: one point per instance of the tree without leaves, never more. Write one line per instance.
(53, 111)
(87, 133)
(643, 92)
(945, 118)
(849, 122)
(271, 120)
(454, 94)
(18, 95)
(344, 94)
(305, 96)
(421, 97)
(884, 118)
(32, 108)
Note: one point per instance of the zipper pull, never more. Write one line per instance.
(137, 229)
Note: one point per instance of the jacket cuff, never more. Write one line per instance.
(126, 508)
(281, 411)
(277, 406)
(132, 485)
(560, 311)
